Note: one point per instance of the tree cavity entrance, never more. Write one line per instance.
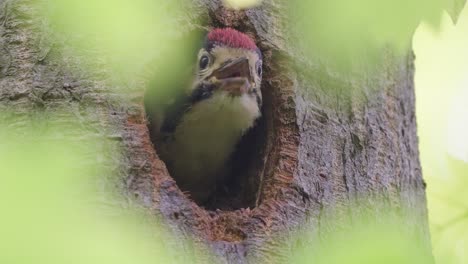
(239, 182)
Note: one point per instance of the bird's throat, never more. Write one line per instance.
(207, 136)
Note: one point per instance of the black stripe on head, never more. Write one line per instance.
(209, 45)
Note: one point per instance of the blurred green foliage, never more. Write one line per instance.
(342, 32)
(131, 33)
(361, 244)
(52, 211)
(442, 115)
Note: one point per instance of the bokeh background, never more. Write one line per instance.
(442, 115)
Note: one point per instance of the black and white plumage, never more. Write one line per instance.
(201, 129)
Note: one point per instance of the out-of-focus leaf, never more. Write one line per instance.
(129, 33)
(454, 8)
(344, 31)
(441, 89)
(360, 242)
(51, 211)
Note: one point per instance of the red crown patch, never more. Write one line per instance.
(231, 38)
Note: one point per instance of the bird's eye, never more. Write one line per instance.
(259, 69)
(204, 60)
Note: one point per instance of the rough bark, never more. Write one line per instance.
(322, 151)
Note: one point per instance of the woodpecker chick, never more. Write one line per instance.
(202, 128)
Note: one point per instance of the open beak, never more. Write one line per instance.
(235, 76)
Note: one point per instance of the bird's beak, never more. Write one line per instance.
(235, 76)
(233, 69)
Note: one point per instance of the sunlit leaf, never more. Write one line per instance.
(441, 92)
(242, 4)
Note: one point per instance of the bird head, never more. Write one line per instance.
(231, 59)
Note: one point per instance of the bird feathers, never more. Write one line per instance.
(231, 38)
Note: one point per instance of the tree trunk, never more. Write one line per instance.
(323, 150)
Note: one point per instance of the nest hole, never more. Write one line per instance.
(240, 186)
